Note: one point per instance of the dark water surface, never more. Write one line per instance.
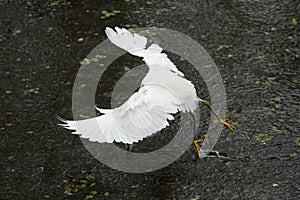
(256, 47)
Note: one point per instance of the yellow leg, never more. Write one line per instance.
(197, 146)
(227, 124)
(127, 147)
(195, 121)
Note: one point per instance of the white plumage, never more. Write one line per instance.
(164, 91)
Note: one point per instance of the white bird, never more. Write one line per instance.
(164, 91)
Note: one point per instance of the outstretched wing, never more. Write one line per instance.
(133, 43)
(136, 45)
(141, 116)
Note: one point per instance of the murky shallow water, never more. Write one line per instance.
(255, 45)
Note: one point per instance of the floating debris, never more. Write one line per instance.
(262, 137)
(32, 90)
(141, 9)
(130, 1)
(293, 154)
(221, 46)
(261, 58)
(159, 11)
(297, 141)
(134, 186)
(271, 80)
(16, 32)
(106, 14)
(245, 33)
(196, 197)
(275, 129)
(126, 68)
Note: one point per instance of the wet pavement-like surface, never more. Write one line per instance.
(255, 44)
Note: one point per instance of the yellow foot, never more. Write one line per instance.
(197, 146)
(228, 125)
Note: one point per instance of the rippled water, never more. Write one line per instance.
(256, 47)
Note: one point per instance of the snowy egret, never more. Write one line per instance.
(164, 91)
